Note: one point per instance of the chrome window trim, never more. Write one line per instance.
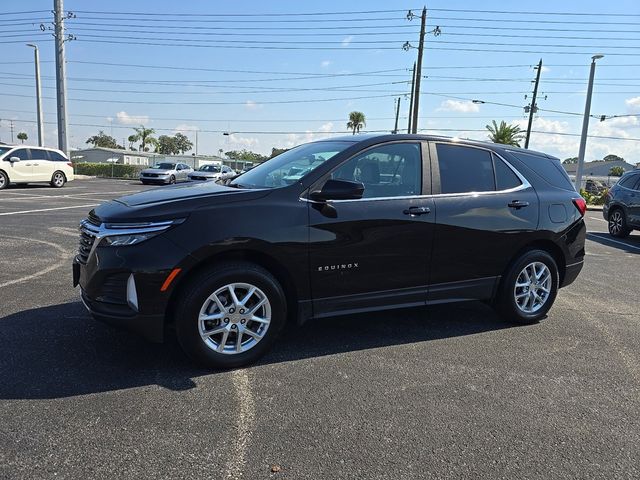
(525, 185)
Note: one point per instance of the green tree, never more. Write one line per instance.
(570, 161)
(22, 136)
(166, 145)
(133, 139)
(245, 155)
(611, 157)
(103, 140)
(145, 138)
(505, 134)
(182, 143)
(356, 121)
(277, 151)
(616, 171)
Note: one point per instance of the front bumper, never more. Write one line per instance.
(158, 180)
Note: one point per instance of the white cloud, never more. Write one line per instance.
(325, 63)
(633, 104)
(347, 40)
(251, 105)
(126, 119)
(323, 131)
(244, 142)
(459, 106)
(186, 129)
(545, 69)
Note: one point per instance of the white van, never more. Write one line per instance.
(20, 164)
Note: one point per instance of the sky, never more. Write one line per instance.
(280, 73)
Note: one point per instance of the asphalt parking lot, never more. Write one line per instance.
(440, 392)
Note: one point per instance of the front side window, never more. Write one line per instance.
(465, 169)
(21, 153)
(393, 170)
(289, 167)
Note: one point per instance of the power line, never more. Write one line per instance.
(520, 12)
(243, 14)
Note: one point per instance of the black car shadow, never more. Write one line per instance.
(629, 245)
(59, 351)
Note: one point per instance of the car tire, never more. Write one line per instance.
(4, 180)
(202, 337)
(58, 179)
(172, 180)
(522, 299)
(143, 182)
(617, 224)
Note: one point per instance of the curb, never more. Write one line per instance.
(594, 208)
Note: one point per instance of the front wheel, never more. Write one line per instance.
(529, 288)
(618, 224)
(172, 180)
(4, 180)
(231, 315)
(58, 180)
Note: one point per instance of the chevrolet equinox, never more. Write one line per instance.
(333, 227)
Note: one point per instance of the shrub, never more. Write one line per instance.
(105, 170)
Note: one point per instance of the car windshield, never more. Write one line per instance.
(209, 168)
(4, 150)
(290, 166)
(165, 166)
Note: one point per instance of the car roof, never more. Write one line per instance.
(373, 138)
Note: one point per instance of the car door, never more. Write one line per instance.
(634, 204)
(374, 251)
(43, 167)
(484, 210)
(21, 171)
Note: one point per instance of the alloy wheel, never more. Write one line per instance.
(533, 287)
(58, 180)
(234, 318)
(615, 223)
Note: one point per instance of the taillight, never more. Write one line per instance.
(581, 205)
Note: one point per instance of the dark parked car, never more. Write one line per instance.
(379, 222)
(622, 205)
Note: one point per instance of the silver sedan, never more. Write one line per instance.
(166, 172)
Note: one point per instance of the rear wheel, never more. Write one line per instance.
(529, 288)
(4, 180)
(230, 316)
(618, 224)
(58, 180)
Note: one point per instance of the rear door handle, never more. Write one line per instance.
(416, 211)
(517, 204)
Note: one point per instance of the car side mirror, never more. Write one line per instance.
(338, 190)
(14, 159)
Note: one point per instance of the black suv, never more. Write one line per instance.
(338, 226)
(622, 205)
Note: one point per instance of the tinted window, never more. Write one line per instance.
(21, 153)
(56, 157)
(37, 154)
(464, 169)
(629, 181)
(4, 150)
(165, 166)
(505, 177)
(210, 168)
(387, 171)
(637, 185)
(549, 169)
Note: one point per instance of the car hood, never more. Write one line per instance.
(172, 202)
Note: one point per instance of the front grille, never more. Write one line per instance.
(198, 178)
(154, 175)
(88, 232)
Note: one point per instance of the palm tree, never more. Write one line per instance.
(22, 136)
(133, 139)
(145, 138)
(356, 121)
(505, 134)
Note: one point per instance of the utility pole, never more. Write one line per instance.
(416, 95)
(36, 54)
(11, 124)
(533, 106)
(395, 129)
(61, 88)
(585, 123)
(413, 86)
(196, 144)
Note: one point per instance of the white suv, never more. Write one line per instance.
(19, 164)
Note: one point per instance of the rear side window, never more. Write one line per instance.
(56, 157)
(549, 169)
(465, 169)
(37, 154)
(629, 182)
(505, 177)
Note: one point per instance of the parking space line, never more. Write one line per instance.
(599, 219)
(47, 209)
(601, 237)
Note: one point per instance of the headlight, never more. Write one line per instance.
(123, 234)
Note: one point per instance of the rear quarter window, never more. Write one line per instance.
(629, 181)
(548, 168)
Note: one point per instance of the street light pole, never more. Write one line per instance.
(36, 54)
(585, 123)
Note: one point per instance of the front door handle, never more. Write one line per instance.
(517, 204)
(415, 211)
